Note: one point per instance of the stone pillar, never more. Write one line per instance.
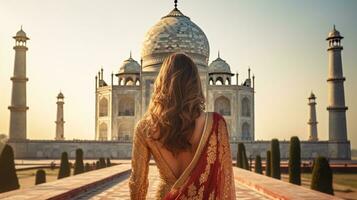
(18, 107)
(336, 94)
(60, 122)
(312, 119)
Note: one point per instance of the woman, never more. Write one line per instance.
(190, 146)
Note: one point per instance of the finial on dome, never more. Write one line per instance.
(130, 54)
(21, 26)
(175, 4)
(219, 56)
(334, 27)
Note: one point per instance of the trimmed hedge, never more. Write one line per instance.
(322, 178)
(258, 164)
(268, 164)
(275, 159)
(295, 161)
(40, 177)
(78, 165)
(65, 169)
(8, 176)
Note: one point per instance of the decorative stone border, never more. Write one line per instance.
(277, 189)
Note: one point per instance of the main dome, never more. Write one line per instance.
(175, 32)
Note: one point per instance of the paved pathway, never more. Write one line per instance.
(118, 189)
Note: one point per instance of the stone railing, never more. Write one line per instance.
(277, 189)
(69, 187)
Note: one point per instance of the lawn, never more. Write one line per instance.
(27, 177)
(341, 179)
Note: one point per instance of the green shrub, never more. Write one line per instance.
(8, 176)
(240, 155)
(97, 165)
(65, 169)
(268, 164)
(275, 159)
(78, 165)
(102, 163)
(322, 176)
(40, 176)
(258, 164)
(295, 161)
(87, 167)
(108, 162)
(245, 159)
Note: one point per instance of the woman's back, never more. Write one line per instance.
(178, 163)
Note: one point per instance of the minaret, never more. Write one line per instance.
(312, 120)
(336, 94)
(60, 121)
(18, 107)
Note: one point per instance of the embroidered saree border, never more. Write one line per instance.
(206, 133)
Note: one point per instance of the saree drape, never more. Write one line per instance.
(208, 176)
(211, 176)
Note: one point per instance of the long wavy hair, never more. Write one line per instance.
(176, 102)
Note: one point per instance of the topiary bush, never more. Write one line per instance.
(87, 167)
(275, 159)
(268, 164)
(102, 163)
(322, 176)
(40, 176)
(65, 169)
(240, 155)
(97, 165)
(78, 165)
(258, 165)
(245, 159)
(8, 176)
(295, 161)
(108, 162)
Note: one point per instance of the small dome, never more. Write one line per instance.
(129, 66)
(219, 66)
(312, 96)
(334, 33)
(21, 33)
(60, 96)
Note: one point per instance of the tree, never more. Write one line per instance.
(295, 161)
(108, 162)
(322, 176)
(258, 164)
(65, 169)
(102, 163)
(97, 165)
(78, 165)
(245, 159)
(242, 161)
(239, 155)
(8, 176)
(40, 176)
(275, 159)
(268, 164)
(87, 167)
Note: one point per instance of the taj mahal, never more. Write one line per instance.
(122, 99)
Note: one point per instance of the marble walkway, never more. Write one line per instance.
(118, 189)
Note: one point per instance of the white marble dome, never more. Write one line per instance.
(219, 66)
(129, 66)
(175, 32)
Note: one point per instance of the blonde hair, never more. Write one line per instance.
(176, 102)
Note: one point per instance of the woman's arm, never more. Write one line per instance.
(138, 182)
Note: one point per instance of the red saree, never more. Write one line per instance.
(210, 173)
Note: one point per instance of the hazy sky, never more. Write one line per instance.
(283, 42)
